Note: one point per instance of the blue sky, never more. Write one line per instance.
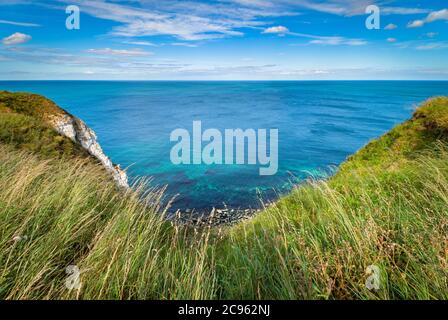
(223, 40)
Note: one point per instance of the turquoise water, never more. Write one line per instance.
(319, 123)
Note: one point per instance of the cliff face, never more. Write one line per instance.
(76, 130)
(37, 124)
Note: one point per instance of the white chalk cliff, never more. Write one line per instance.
(76, 130)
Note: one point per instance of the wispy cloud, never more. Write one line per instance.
(317, 39)
(391, 26)
(416, 24)
(94, 61)
(347, 7)
(136, 27)
(330, 40)
(254, 3)
(336, 41)
(431, 34)
(433, 46)
(185, 25)
(277, 30)
(76, 65)
(437, 15)
(422, 44)
(115, 52)
(433, 16)
(193, 20)
(402, 10)
(14, 2)
(184, 44)
(141, 43)
(16, 38)
(22, 24)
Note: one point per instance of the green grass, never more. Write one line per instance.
(71, 213)
(387, 206)
(318, 242)
(25, 124)
(29, 104)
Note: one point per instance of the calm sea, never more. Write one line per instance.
(319, 123)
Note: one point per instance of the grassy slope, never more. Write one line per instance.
(386, 206)
(24, 123)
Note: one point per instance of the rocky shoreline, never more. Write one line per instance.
(215, 217)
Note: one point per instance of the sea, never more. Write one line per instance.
(319, 123)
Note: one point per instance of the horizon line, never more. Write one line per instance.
(216, 80)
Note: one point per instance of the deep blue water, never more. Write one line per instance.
(320, 124)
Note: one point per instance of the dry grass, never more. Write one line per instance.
(387, 206)
(314, 244)
(71, 213)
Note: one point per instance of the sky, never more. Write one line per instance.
(223, 40)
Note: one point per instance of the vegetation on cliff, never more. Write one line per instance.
(34, 123)
(25, 123)
(387, 206)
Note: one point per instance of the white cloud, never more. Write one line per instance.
(391, 40)
(431, 34)
(97, 67)
(422, 44)
(184, 20)
(336, 41)
(390, 26)
(416, 24)
(433, 46)
(115, 52)
(96, 60)
(22, 24)
(16, 38)
(321, 72)
(277, 29)
(184, 44)
(195, 20)
(433, 16)
(14, 2)
(254, 3)
(330, 40)
(141, 43)
(437, 15)
(348, 7)
(403, 11)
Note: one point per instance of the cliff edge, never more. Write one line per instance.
(35, 123)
